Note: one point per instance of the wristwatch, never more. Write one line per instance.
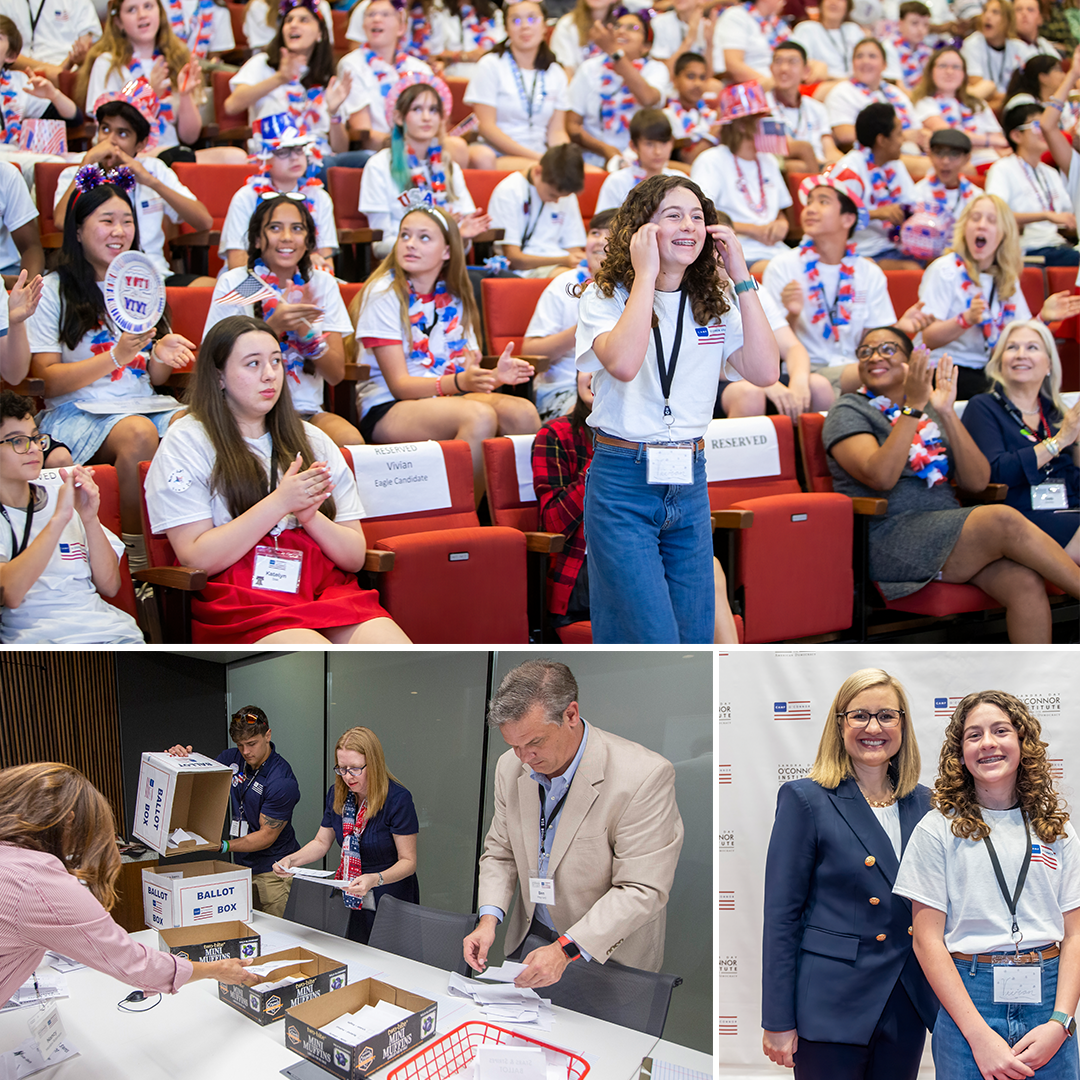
(572, 952)
(1066, 1021)
(915, 414)
(749, 285)
(380, 880)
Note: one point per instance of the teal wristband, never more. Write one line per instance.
(224, 847)
(749, 285)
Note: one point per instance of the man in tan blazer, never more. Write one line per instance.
(586, 831)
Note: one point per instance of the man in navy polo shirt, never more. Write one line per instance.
(264, 793)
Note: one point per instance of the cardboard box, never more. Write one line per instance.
(196, 893)
(232, 940)
(302, 1035)
(189, 793)
(322, 975)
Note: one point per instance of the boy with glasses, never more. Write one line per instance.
(56, 559)
(263, 796)
(945, 191)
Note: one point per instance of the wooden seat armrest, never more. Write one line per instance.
(870, 507)
(732, 519)
(28, 388)
(174, 577)
(547, 543)
(359, 236)
(202, 238)
(357, 373)
(990, 494)
(489, 236)
(52, 240)
(379, 562)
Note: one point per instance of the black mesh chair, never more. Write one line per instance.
(621, 995)
(421, 933)
(317, 906)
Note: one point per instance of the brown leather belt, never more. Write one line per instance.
(610, 440)
(997, 958)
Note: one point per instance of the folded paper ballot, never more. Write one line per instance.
(507, 973)
(367, 1021)
(303, 871)
(179, 836)
(286, 981)
(504, 1002)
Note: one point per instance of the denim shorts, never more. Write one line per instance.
(650, 552)
(952, 1055)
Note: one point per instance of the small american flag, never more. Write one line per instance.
(158, 906)
(771, 137)
(470, 123)
(201, 914)
(1040, 853)
(249, 291)
(710, 335)
(74, 552)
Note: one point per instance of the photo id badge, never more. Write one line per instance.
(238, 829)
(541, 890)
(1018, 984)
(1049, 497)
(670, 464)
(47, 1029)
(277, 569)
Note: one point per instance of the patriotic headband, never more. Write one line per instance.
(92, 176)
(412, 79)
(421, 199)
(643, 16)
(278, 131)
(846, 182)
(742, 99)
(288, 5)
(139, 94)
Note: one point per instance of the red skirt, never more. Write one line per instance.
(229, 611)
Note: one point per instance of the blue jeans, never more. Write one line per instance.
(952, 1055)
(650, 552)
(1057, 255)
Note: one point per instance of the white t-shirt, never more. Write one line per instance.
(150, 208)
(257, 70)
(234, 232)
(619, 184)
(16, 210)
(845, 101)
(669, 32)
(1029, 191)
(103, 81)
(23, 104)
(379, 197)
(221, 35)
(993, 64)
(872, 305)
(60, 24)
(178, 482)
(982, 122)
(3, 309)
(567, 46)
(537, 227)
(894, 67)
(832, 47)
(556, 311)
(750, 191)
(43, 333)
(736, 29)
(380, 318)
(259, 34)
(372, 82)
(941, 293)
(495, 83)
(306, 390)
(457, 38)
(62, 607)
(635, 410)
(809, 121)
(584, 99)
(876, 236)
(956, 876)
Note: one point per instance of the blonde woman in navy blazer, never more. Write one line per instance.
(842, 993)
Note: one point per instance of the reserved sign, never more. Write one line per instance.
(741, 448)
(523, 445)
(401, 478)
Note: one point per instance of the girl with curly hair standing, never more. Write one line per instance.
(656, 328)
(994, 880)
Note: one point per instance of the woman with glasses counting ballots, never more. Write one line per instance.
(373, 819)
(844, 996)
(900, 439)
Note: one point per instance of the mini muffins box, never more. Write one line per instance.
(319, 975)
(302, 1034)
(232, 940)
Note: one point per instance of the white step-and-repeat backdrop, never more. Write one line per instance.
(772, 708)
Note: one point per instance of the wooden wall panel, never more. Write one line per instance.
(63, 706)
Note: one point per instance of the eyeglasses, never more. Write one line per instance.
(1034, 125)
(21, 443)
(886, 718)
(526, 20)
(283, 152)
(884, 348)
(349, 770)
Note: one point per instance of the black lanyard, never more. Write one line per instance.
(34, 19)
(244, 789)
(1010, 902)
(530, 226)
(18, 548)
(545, 822)
(667, 374)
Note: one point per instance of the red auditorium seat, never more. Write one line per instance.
(46, 175)
(508, 306)
(109, 516)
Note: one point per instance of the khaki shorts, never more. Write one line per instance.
(833, 373)
(270, 892)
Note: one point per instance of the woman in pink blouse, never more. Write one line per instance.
(58, 869)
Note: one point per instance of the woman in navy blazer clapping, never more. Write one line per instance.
(842, 993)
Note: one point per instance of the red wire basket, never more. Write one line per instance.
(454, 1051)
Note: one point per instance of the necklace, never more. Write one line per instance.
(878, 804)
(759, 205)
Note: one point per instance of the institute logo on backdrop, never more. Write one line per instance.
(724, 774)
(791, 710)
(727, 841)
(723, 712)
(729, 967)
(1046, 705)
(729, 1025)
(944, 707)
(727, 899)
(793, 771)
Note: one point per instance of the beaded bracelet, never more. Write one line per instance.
(116, 363)
(961, 320)
(438, 387)
(457, 384)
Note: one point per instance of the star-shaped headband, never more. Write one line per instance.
(412, 79)
(92, 176)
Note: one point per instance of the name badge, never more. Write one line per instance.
(541, 890)
(47, 1029)
(277, 569)
(1019, 984)
(669, 464)
(1049, 497)
(238, 829)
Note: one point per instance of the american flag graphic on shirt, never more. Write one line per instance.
(710, 335)
(74, 552)
(1042, 853)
